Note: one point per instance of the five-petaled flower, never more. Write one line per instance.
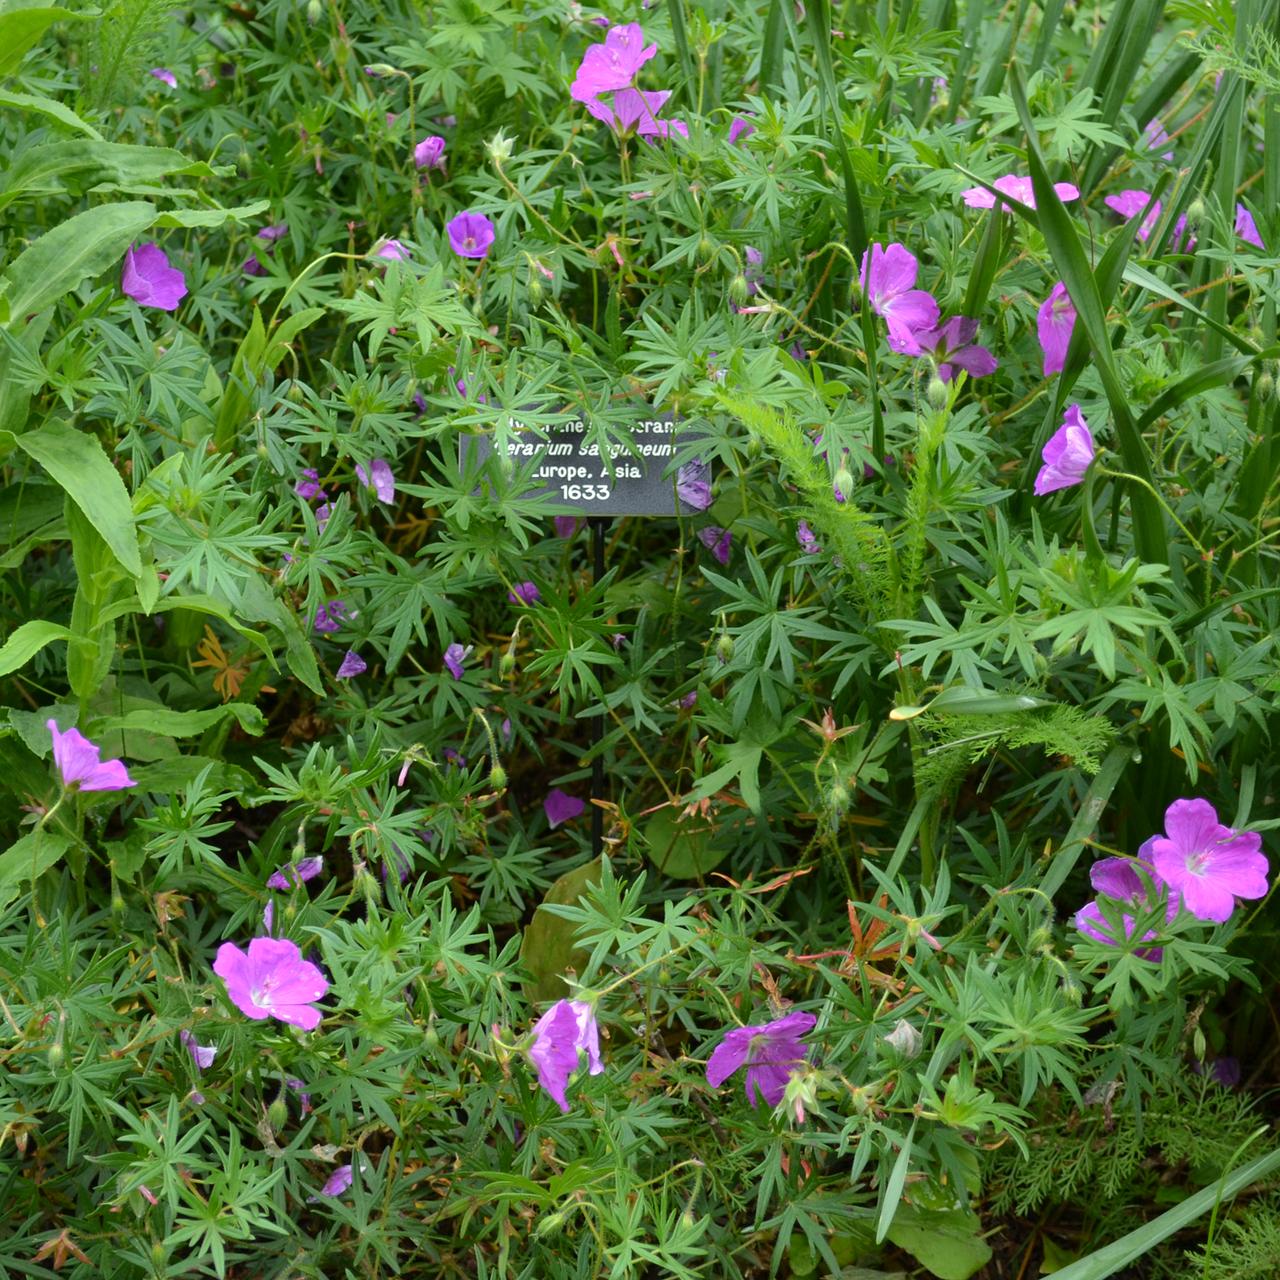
(272, 981)
(470, 235)
(1054, 322)
(717, 541)
(1016, 188)
(80, 765)
(769, 1053)
(378, 477)
(613, 64)
(149, 279)
(454, 658)
(1208, 864)
(201, 1054)
(636, 111)
(524, 593)
(1067, 455)
(429, 153)
(952, 345)
(888, 280)
(1247, 228)
(392, 249)
(567, 1027)
(293, 874)
(1118, 879)
(1128, 204)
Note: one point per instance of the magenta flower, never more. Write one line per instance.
(273, 232)
(1054, 322)
(717, 541)
(524, 593)
(693, 486)
(1247, 228)
(390, 249)
(1128, 204)
(808, 543)
(329, 616)
(1118, 878)
(202, 1054)
(1156, 136)
(378, 477)
(560, 806)
(272, 981)
(688, 701)
(567, 1027)
(769, 1054)
(612, 65)
(740, 129)
(429, 153)
(163, 73)
(566, 526)
(79, 763)
(888, 279)
(636, 111)
(292, 874)
(352, 665)
(338, 1181)
(1019, 189)
(309, 486)
(323, 512)
(1208, 864)
(1067, 455)
(252, 267)
(454, 657)
(470, 235)
(953, 346)
(149, 279)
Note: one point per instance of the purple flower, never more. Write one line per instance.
(419, 404)
(272, 981)
(338, 1181)
(952, 344)
(566, 526)
(1054, 322)
(1247, 228)
(352, 665)
(309, 486)
(163, 73)
(1223, 1071)
(1118, 879)
(202, 1054)
(1128, 204)
(269, 918)
(391, 249)
(612, 65)
(1208, 864)
(888, 279)
(149, 279)
(323, 512)
(716, 540)
(769, 1054)
(739, 129)
(429, 153)
(274, 232)
(304, 1098)
(252, 267)
(797, 352)
(80, 766)
(524, 593)
(454, 656)
(636, 111)
(453, 758)
(692, 484)
(329, 616)
(565, 1028)
(1157, 137)
(1067, 455)
(1019, 189)
(295, 873)
(688, 700)
(560, 806)
(470, 235)
(808, 543)
(378, 478)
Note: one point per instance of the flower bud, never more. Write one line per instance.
(158, 1255)
(1199, 1045)
(1195, 213)
(380, 70)
(937, 393)
(1068, 13)
(498, 778)
(117, 905)
(315, 10)
(507, 665)
(1071, 992)
(341, 51)
(843, 484)
(724, 650)
(278, 1114)
(551, 1225)
(499, 147)
(905, 1039)
(754, 449)
(839, 799)
(739, 290)
(537, 293)
(57, 1054)
(295, 394)
(706, 249)
(431, 1038)
(1264, 387)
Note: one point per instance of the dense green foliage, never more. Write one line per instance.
(858, 762)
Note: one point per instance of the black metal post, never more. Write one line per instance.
(597, 524)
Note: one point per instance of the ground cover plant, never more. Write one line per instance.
(865, 871)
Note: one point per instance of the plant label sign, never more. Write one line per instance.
(569, 469)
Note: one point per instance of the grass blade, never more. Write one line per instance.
(985, 264)
(678, 34)
(771, 52)
(1048, 25)
(1087, 817)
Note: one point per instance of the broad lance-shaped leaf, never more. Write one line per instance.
(21, 27)
(33, 854)
(1073, 266)
(48, 107)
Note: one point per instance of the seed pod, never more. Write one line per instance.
(507, 665)
(843, 484)
(551, 1225)
(315, 10)
(536, 292)
(278, 1114)
(1265, 386)
(754, 449)
(724, 650)
(739, 290)
(431, 1038)
(1195, 213)
(937, 393)
(706, 249)
(839, 799)
(56, 1055)
(498, 778)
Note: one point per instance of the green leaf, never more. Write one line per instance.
(216, 217)
(20, 28)
(177, 773)
(547, 948)
(26, 641)
(743, 764)
(35, 852)
(892, 1201)
(197, 604)
(947, 1243)
(1087, 817)
(183, 724)
(48, 107)
(681, 847)
(75, 250)
(77, 462)
(962, 700)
